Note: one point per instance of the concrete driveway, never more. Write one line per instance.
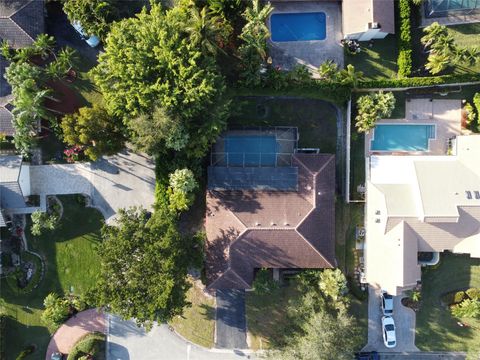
(120, 181)
(230, 329)
(125, 341)
(404, 324)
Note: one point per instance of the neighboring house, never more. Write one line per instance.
(20, 23)
(14, 187)
(276, 216)
(442, 8)
(420, 204)
(364, 20)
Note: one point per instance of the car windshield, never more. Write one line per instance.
(391, 343)
(387, 296)
(389, 327)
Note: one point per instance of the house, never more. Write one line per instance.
(420, 204)
(364, 20)
(278, 216)
(20, 23)
(14, 187)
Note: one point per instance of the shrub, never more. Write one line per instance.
(458, 297)
(181, 191)
(476, 103)
(404, 60)
(41, 221)
(473, 293)
(419, 81)
(467, 308)
(470, 113)
(264, 283)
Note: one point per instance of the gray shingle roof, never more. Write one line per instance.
(6, 122)
(11, 196)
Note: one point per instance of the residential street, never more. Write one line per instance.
(128, 342)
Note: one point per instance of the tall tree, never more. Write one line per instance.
(144, 264)
(350, 76)
(94, 130)
(151, 61)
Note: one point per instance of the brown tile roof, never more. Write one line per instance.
(273, 229)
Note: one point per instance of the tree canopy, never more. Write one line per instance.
(158, 59)
(93, 15)
(93, 129)
(373, 107)
(144, 265)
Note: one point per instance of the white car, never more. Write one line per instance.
(387, 303)
(388, 329)
(91, 40)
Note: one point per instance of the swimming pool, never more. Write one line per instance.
(298, 26)
(251, 150)
(402, 137)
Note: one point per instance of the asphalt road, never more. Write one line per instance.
(126, 341)
(230, 319)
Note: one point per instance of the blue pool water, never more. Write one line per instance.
(251, 150)
(298, 26)
(402, 137)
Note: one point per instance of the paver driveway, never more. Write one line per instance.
(120, 181)
(404, 324)
(74, 329)
(126, 341)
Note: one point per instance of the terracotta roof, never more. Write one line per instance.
(273, 229)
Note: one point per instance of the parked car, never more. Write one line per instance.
(370, 355)
(388, 329)
(56, 356)
(387, 303)
(91, 40)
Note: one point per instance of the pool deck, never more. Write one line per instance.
(309, 53)
(446, 115)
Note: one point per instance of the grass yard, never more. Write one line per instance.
(465, 35)
(357, 159)
(71, 265)
(316, 119)
(436, 328)
(378, 61)
(197, 323)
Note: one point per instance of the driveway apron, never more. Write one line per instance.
(230, 329)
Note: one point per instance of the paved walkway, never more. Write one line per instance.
(126, 341)
(404, 325)
(120, 181)
(230, 328)
(75, 328)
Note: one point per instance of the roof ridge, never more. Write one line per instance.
(234, 273)
(20, 8)
(313, 247)
(314, 173)
(21, 29)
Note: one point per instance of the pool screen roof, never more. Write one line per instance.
(444, 7)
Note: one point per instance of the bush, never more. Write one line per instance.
(404, 60)
(373, 107)
(264, 283)
(91, 344)
(467, 308)
(476, 103)
(419, 81)
(471, 116)
(473, 293)
(459, 296)
(42, 221)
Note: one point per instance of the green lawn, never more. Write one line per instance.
(378, 61)
(436, 329)
(71, 264)
(315, 119)
(197, 323)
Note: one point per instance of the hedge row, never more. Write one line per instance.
(419, 81)
(404, 60)
(3, 320)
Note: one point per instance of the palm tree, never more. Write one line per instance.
(44, 45)
(469, 55)
(255, 33)
(29, 103)
(6, 51)
(444, 45)
(437, 63)
(328, 70)
(204, 30)
(433, 32)
(25, 54)
(350, 76)
(256, 17)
